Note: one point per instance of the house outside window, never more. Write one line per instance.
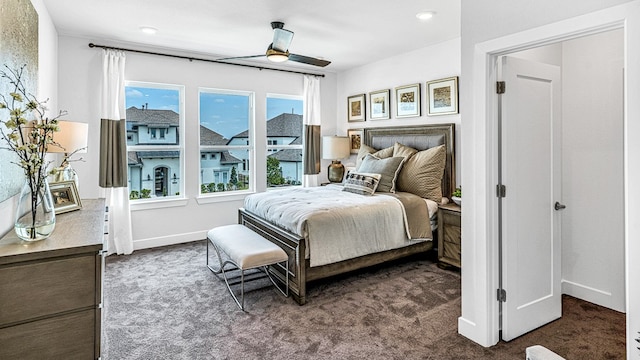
(154, 116)
(223, 114)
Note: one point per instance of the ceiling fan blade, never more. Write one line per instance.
(308, 60)
(282, 39)
(241, 57)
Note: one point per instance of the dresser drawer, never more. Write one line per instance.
(450, 218)
(451, 254)
(68, 337)
(32, 290)
(452, 235)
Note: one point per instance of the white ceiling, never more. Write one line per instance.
(349, 33)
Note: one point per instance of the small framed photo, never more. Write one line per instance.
(355, 139)
(356, 108)
(442, 96)
(65, 196)
(379, 104)
(408, 101)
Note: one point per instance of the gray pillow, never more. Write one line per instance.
(388, 169)
(365, 150)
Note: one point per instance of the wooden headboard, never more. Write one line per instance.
(420, 138)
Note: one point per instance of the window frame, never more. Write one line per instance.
(275, 148)
(169, 200)
(208, 197)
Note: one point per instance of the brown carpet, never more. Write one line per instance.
(164, 303)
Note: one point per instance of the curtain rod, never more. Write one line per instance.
(190, 58)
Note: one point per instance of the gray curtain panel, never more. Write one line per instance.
(113, 153)
(312, 150)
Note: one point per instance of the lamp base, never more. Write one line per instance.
(335, 171)
(65, 173)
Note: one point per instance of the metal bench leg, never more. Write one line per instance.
(283, 292)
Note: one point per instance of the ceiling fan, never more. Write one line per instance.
(278, 51)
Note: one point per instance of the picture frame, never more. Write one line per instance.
(408, 101)
(356, 108)
(379, 102)
(65, 196)
(442, 96)
(355, 139)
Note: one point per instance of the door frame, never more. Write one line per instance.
(479, 320)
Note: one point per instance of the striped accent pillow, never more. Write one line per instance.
(361, 183)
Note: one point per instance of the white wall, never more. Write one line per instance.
(430, 63)
(592, 235)
(492, 27)
(47, 89)
(592, 163)
(79, 93)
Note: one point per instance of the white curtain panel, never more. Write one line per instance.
(311, 117)
(120, 239)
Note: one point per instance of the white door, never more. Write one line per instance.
(530, 172)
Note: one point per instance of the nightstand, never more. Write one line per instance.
(449, 239)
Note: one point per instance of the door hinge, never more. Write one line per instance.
(501, 191)
(500, 87)
(502, 295)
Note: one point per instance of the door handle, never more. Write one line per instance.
(559, 206)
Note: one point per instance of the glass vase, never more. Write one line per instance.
(35, 215)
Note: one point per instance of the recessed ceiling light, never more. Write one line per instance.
(148, 30)
(425, 15)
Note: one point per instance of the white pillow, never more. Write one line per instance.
(361, 183)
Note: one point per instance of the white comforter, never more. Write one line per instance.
(338, 225)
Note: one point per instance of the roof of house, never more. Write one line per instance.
(227, 158)
(132, 158)
(158, 154)
(210, 137)
(294, 155)
(283, 125)
(157, 117)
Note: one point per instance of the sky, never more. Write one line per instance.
(226, 114)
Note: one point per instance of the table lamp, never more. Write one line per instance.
(70, 139)
(335, 148)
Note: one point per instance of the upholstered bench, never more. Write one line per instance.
(244, 249)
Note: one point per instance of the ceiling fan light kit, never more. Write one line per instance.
(277, 56)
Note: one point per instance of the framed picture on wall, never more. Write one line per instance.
(356, 108)
(379, 104)
(408, 101)
(355, 139)
(442, 96)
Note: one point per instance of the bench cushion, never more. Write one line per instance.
(244, 247)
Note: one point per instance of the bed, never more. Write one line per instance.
(303, 266)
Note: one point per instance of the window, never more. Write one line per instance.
(226, 140)
(284, 140)
(154, 116)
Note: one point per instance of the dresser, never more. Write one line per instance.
(51, 290)
(449, 235)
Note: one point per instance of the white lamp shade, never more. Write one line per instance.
(71, 137)
(335, 147)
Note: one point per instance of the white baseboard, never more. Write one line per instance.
(593, 295)
(169, 240)
(470, 330)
